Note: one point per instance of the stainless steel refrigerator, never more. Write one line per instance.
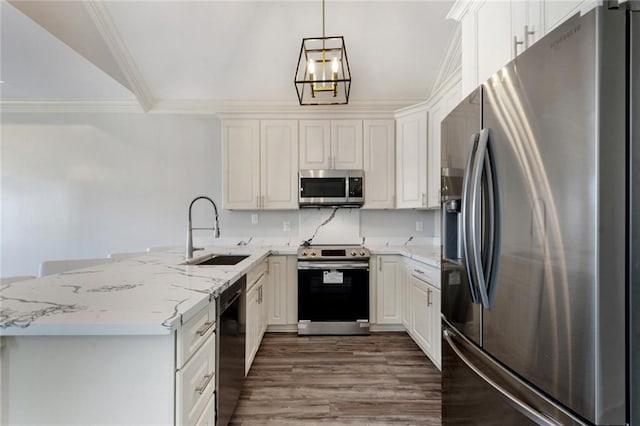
(541, 233)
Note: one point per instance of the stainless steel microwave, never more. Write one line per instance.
(331, 188)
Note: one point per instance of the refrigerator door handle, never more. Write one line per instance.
(468, 254)
(516, 403)
(485, 273)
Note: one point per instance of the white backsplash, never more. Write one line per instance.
(342, 228)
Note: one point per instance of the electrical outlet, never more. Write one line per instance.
(419, 225)
(254, 219)
(286, 226)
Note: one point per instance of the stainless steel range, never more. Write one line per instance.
(333, 290)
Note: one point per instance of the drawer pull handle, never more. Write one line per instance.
(418, 271)
(207, 380)
(205, 327)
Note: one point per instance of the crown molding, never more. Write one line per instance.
(452, 60)
(278, 109)
(68, 106)
(118, 48)
(226, 109)
(462, 7)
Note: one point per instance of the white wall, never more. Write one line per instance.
(86, 185)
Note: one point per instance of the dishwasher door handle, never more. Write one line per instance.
(230, 302)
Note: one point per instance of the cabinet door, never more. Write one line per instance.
(277, 291)
(436, 114)
(411, 160)
(279, 164)
(494, 39)
(526, 22)
(558, 11)
(405, 291)
(251, 327)
(389, 281)
(315, 144)
(379, 164)
(436, 325)
(421, 327)
(346, 144)
(241, 164)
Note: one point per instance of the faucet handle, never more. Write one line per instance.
(198, 248)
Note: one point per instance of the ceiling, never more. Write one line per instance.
(159, 53)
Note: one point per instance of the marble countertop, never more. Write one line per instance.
(150, 294)
(429, 255)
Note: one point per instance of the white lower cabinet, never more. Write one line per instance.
(195, 383)
(122, 379)
(424, 320)
(256, 312)
(282, 291)
(389, 271)
(208, 417)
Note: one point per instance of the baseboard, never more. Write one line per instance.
(288, 328)
(387, 327)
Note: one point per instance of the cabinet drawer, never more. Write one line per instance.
(425, 273)
(195, 383)
(194, 332)
(254, 275)
(208, 417)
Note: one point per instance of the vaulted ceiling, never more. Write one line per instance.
(218, 53)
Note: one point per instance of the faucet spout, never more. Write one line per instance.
(216, 227)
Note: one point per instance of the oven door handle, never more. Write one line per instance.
(332, 265)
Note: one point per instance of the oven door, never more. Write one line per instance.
(333, 291)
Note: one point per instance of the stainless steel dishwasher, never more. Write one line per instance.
(231, 348)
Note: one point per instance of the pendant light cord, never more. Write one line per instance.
(322, 19)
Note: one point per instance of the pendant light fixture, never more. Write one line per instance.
(322, 76)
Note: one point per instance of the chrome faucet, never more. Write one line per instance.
(215, 229)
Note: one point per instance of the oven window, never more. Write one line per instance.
(329, 301)
(323, 187)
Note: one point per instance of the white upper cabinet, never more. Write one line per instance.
(556, 12)
(346, 144)
(526, 24)
(279, 164)
(493, 37)
(241, 164)
(411, 159)
(437, 113)
(494, 32)
(331, 144)
(315, 144)
(379, 164)
(260, 164)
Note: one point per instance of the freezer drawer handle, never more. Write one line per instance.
(522, 407)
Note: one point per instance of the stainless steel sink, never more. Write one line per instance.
(218, 260)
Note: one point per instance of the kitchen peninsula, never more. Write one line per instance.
(127, 342)
(114, 338)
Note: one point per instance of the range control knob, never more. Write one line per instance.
(313, 253)
(353, 253)
(362, 253)
(304, 253)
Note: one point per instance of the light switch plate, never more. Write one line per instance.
(286, 226)
(419, 225)
(254, 219)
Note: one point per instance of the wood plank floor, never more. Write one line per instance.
(381, 379)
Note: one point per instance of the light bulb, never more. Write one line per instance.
(312, 67)
(334, 65)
